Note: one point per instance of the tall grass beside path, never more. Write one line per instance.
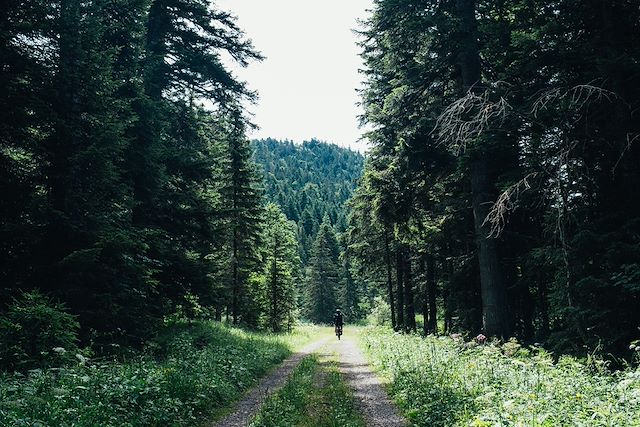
(438, 381)
(190, 374)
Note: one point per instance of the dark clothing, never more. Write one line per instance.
(338, 320)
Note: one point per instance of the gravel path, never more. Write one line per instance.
(251, 402)
(371, 399)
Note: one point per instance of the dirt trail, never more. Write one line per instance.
(251, 402)
(371, 400)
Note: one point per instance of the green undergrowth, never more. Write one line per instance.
(315, 396)
(189, 374)
(444, 382)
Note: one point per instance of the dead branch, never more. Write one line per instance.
(627, 147)
(577, 97)
(505, 203)
(466, 118)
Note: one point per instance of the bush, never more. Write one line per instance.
(36, 333)
(380, 313)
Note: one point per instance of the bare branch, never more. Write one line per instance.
(505, 203)
(630, 142)
(577, 97)
(466, 118)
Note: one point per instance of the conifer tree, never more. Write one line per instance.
(244, 212)
(323, 277)
(281, 269)
(349, 295)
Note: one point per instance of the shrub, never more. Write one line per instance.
(36, 332)
(380, 313)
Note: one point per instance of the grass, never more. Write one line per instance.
(315, 396)
(443, 382)
(190, 374)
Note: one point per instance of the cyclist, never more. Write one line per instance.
(338, 322)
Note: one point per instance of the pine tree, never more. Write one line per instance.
(244, 212)
(349, 295)
(281, 269)
(323, 277)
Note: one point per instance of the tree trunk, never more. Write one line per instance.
(410, 318)
(495, 317)
(425, 297)
(400, 288)
(143, 156)
(387, 252)
(235, 285)
(432, 325)
(543, 329)
(274, 287)
(448, 315)
(156, 70)
(65, 142)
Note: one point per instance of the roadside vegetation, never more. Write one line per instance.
(443, 381)
(315, 396)
(190, 373)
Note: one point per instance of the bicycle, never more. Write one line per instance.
(338, 331)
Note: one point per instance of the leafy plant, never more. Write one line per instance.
(380, 314)
(190, 373)
(37, 332)
(439, 381)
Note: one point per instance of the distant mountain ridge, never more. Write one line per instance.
(309, 181)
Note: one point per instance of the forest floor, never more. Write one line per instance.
(341, 388)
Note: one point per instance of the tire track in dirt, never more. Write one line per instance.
(250, 404)
(371, 399)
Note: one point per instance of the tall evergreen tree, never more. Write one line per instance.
(243, 195)
(495, 312)
(323, 277)
(282, 270)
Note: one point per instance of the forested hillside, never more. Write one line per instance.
(501, 194)
(312, 182)
(309, 181)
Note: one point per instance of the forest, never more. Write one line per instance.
(128, 200)
(156, 263)
(503, 169)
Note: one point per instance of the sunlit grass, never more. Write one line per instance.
(441, 382)
(189, 373)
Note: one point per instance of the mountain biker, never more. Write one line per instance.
(338, 319)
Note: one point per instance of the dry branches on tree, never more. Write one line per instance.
(467, 118)
(576, 97)
(506, 202)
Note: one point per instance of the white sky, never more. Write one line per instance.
(307, 82)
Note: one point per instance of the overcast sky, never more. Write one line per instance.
(307, 83)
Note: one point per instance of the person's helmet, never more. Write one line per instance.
(337, 310)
